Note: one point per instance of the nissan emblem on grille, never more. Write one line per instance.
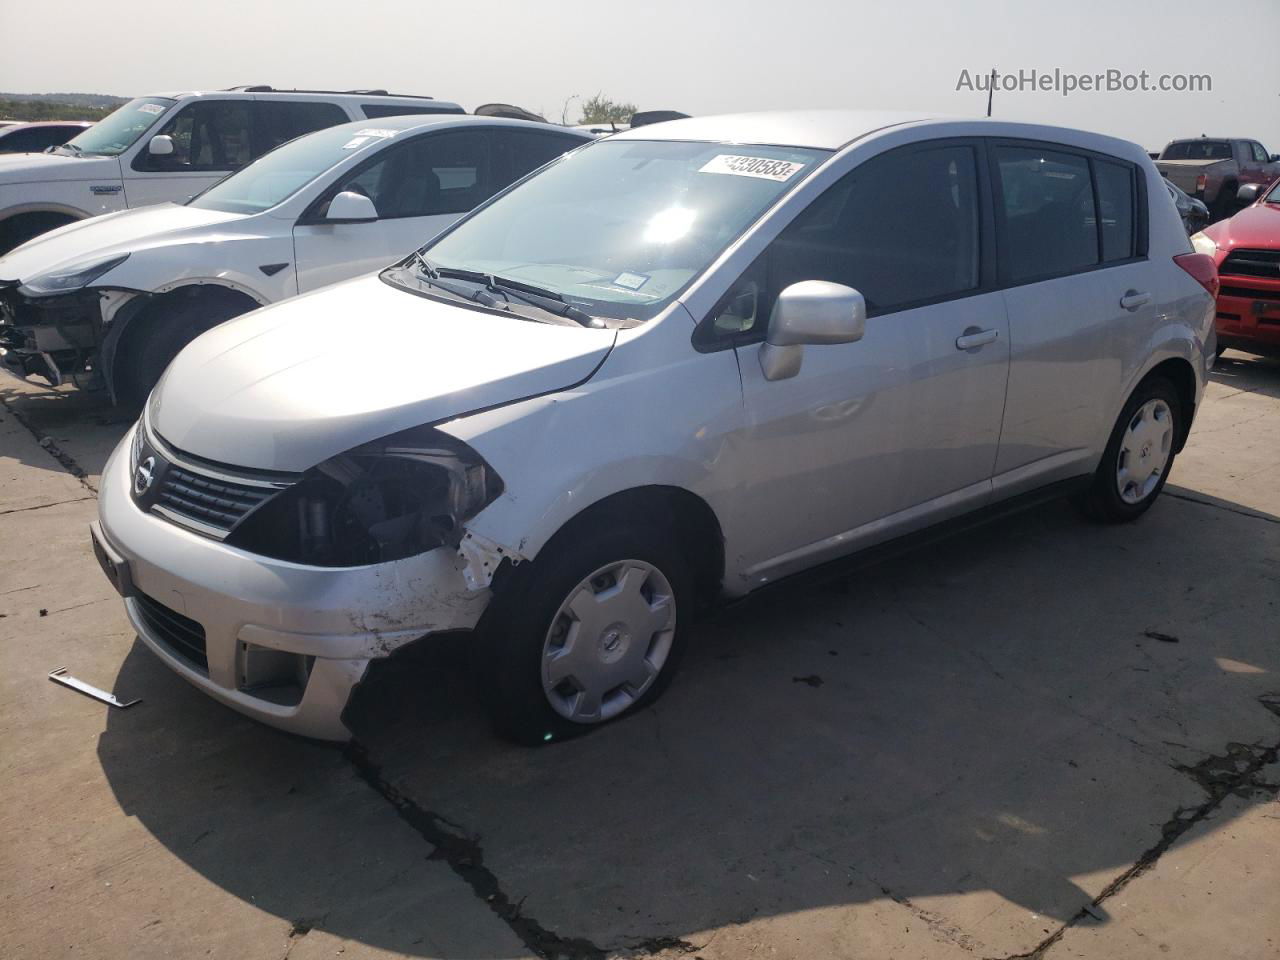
(144, 475)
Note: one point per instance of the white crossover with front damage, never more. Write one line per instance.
(111, 300)
(676, 365)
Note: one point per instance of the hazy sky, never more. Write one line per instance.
(698, 57)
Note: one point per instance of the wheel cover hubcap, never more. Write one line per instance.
(609, 641)
(1145, 449)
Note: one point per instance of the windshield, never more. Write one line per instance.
(620, 227)
(1274, 195)
(118, 131)
(278, 175)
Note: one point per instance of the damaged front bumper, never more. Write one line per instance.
(281, 642)
(57, 338)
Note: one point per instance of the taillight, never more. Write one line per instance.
(1202, 267)
(1201, 182)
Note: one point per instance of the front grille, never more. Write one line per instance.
(218, 503)
(1252, 263)
(182, 635)
(1250, 292)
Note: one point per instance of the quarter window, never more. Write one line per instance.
(1116, 201)
(1045, 204)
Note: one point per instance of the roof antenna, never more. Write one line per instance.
(991, 90)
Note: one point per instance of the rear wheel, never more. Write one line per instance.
(591, 631)
(1139, 454)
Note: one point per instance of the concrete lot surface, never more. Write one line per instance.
(1045, 738)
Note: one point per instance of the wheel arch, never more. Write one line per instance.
(136, 314)
(690, 518)
(1179, 372)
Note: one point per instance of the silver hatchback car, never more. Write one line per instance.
(672, 366)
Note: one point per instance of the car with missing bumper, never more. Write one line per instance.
(677, 365)
(170, 146)
(111, 300)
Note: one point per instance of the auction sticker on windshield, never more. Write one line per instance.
(761, 167)
(151, 108)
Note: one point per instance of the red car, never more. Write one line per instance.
(1246, 248)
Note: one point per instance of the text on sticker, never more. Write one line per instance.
(765, 169)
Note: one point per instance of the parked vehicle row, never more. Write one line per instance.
(117, 296)
(1213, 169)
(673, 366)
(171, 146)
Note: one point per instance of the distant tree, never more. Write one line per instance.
(48, 110)
(600, 109)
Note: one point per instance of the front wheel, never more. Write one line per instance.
(1139, 454)
(591, 631)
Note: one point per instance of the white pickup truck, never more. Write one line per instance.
(171, 146)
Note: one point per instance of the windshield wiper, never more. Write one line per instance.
(432, 275)
(539, 297)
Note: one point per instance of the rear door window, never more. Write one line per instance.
(1045, 212)
(283, 120)
(523, 151)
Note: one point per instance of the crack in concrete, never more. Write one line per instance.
(47, 444)
(42, 506)
(939, 926)
(1220, 506)
(465, 857)
(1235, 773)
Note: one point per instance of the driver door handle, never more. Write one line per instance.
(974, 338)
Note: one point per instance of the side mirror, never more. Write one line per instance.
(810, 312)
(160, 145)
(1248, 193)
(351, 207)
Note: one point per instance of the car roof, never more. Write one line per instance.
(825, 129)
(326, 95)
(423, 121)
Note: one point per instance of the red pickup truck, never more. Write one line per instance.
(1212, 169)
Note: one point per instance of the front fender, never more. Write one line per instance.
(645, 419)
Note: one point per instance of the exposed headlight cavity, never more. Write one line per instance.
(393, 498)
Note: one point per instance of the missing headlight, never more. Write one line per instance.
(396, 497)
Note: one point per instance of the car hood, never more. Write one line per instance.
(1257, 226)
(100, 238)
(44, 167)
(290, 385)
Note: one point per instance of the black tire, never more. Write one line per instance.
(515, 628)
(1220, 350)
(157, 336)
(1225, 204)
(1103, 500)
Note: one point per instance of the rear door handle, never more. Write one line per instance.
(973, 338)
(1132, 300)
